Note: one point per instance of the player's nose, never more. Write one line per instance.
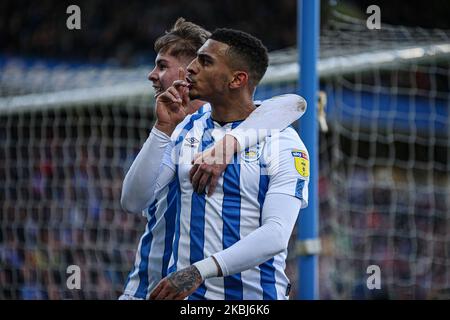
(152, 75)
(192, 67)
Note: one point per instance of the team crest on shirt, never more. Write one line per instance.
(301, 162)
(191, 142)
(251, 154)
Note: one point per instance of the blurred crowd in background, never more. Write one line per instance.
(60, 206)
(61, 172)
(122, 32)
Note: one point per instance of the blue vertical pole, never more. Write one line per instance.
(308, 47)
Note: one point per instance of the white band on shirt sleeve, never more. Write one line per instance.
(207, 268)
(222, 264)
(159, 134)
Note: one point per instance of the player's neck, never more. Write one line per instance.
(232, 110)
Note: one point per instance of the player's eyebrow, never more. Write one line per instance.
(205, 56)
(161, 60)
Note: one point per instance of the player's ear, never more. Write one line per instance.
(240, 79)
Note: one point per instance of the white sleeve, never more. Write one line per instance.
(274, 114)
(278, 218)
(149, 171)
(287, 163)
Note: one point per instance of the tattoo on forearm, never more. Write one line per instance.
(184, 280)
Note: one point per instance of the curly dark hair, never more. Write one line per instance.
(184, 39)
(245, 51)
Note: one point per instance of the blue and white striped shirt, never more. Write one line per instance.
(207, 225)
(155, 245)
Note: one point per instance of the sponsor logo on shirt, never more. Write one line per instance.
(191, 142)
(301, 162)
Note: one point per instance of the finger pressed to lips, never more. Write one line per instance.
(180, 83)
(158, 90)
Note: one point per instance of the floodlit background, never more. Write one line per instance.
(75, 108)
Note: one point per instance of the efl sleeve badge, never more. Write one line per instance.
(301, 162)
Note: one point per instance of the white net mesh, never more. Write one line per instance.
(384, 165)
(384, 161)
(61, 173)
(68, 135)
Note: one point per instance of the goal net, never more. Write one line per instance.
(384, 162)
(69, 134)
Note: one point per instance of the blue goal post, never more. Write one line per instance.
(308, 17)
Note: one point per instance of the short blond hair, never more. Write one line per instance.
(184, 39)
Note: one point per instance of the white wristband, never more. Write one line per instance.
(159, 134)
(207, 268)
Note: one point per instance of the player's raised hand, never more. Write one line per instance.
(182, 86)
(172, 106)
(177, 285)
(209, 165)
